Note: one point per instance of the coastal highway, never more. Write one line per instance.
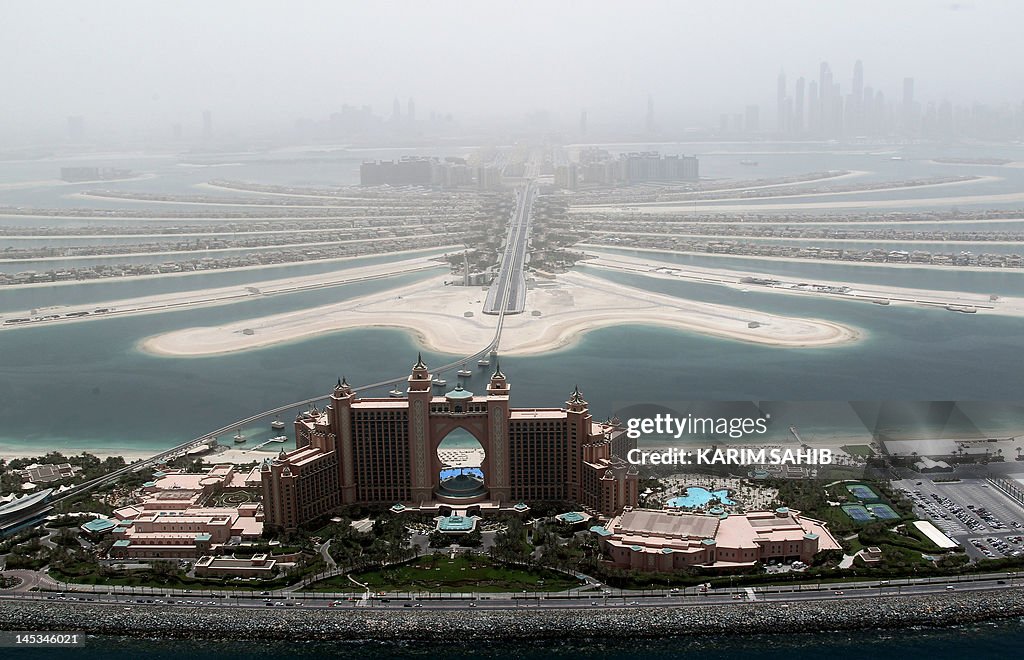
(507, 294)
(47, 589)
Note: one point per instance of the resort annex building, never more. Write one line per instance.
(385, 450)
(664, 541)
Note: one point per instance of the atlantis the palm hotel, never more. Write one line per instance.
(385, 450)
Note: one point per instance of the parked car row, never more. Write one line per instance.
(942, 510)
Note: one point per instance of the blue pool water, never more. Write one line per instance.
(454, 472)
(696, 496)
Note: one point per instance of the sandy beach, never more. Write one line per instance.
(662, 208)
(190, 202)
(448, 319)
(220, 454)
(60, 183)
(133, 278)
(11, 452)
(592, 247)
(787, 239)
(729, 220)
(230, 294)
(688, 203)
(206, 252)
(648, 267)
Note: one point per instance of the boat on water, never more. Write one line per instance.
(483, 362)
(280, 438)
(748, 162)
(963, 309)
(465, 372)
(277, 424)
(396, 393)
(439, 382)
(239, 438)
(896, 158)
(881, 301)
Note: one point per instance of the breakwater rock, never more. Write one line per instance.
(440, 624)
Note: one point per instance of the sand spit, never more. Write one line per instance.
(649, 267)
(439, 250)
(590, 247)
(1003, 198)
(802, 195)
(224, 295)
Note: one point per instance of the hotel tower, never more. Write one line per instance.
(385, 450)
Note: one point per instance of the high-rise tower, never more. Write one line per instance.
(798, 106)
(855, 117)
(781, 115)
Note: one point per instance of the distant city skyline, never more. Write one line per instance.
(147, 71)
(866, 111)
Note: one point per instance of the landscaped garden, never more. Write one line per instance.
(462, 574)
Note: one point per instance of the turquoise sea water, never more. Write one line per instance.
(88, 386)
(85, 385)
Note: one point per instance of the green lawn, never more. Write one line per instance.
(462, 574)
(858, 450)
(144, 579)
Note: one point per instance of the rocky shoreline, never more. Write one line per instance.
(438, 625)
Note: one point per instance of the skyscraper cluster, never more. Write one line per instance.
(819, 108)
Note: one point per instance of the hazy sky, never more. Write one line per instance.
(156, 63)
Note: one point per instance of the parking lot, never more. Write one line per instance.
(983, 520)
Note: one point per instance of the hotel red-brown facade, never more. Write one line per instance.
(384, 450)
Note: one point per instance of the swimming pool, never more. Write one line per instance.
(453, 472)
(697, 496)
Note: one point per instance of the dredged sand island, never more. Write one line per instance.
(449, 319)
(790, 285)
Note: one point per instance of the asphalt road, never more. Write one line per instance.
(588, 597)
